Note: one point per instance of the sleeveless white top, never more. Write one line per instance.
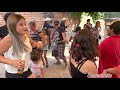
(8, 54)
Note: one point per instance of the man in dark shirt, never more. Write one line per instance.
(62, 24)
(60, 40)
(3, 29)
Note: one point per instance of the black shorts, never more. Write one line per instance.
(23, 75)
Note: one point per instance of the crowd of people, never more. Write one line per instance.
(25, 53)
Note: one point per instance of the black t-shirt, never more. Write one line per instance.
(3, 31)
(63, 25)
(58, 34)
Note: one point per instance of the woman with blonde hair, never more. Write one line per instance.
(16, 47)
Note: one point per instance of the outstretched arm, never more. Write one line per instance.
(42, 37)
(115, 70)
(38, 44)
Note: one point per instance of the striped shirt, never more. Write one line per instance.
(35, 36)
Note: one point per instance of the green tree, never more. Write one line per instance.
(77, 16)
(95, 15)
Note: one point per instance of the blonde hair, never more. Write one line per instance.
(18, 45)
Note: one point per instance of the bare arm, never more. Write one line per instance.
(5, 44)
(3, 48)
(64, 37)
(42, 37)
(48, 41)
(115, 70)
(111, 70)
(38, 44)
(54, 38)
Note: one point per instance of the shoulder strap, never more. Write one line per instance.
(95, 64)
(81, 63)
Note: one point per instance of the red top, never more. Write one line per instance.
(109, 54)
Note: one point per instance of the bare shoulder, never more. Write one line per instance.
(5, 44)
(89, 67)
(7, 39)
(90, 64)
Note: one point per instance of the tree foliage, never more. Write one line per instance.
(95, 15)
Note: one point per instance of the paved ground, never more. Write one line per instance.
(56, 71)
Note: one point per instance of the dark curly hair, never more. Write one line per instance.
(35, 55)
(116, 27)
(84, 46)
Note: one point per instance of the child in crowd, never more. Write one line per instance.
(45, 47)
(36, 65)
